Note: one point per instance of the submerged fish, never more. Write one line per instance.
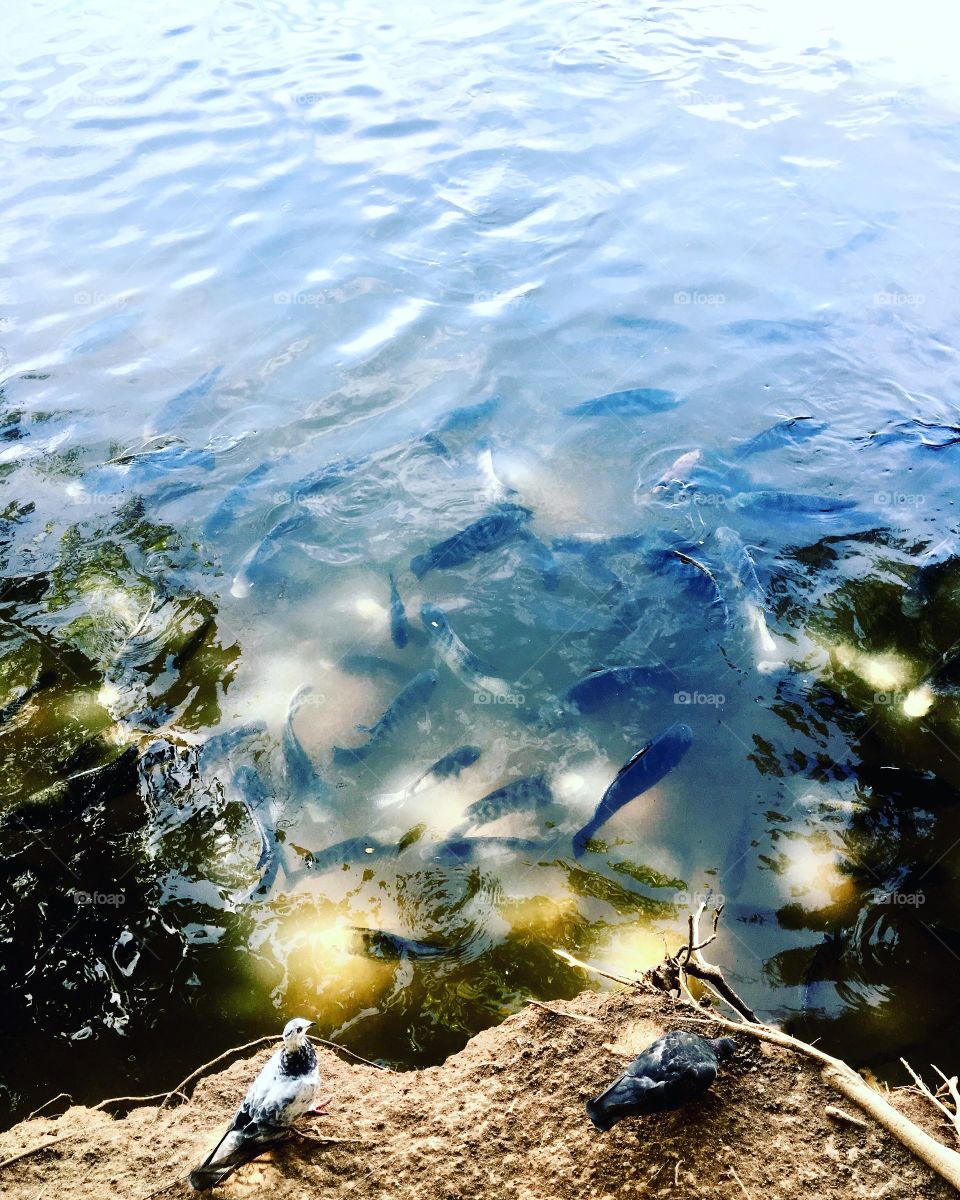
(379, 943)
(44, 680)
(412, 698)
(353, 850)
(679, 469)
(628, 403)
(399, 629)
(647, 767)
(301, 774)
(462, 662)
(495, 489)
(780, 333)
(612, 685)
(792, 502)
(263, 814)
(695, 573)
(468, 416)
(458, 850)
(236, 499)
(450, 765)
(356, 663)
(740, 566)
(220, 745)
(488, 533)
(785, 433)
(541, 558)
(252, 563)
(173, 414)
(520, 795)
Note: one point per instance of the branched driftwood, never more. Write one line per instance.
(671, 976)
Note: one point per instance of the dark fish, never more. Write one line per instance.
(399, 629)
(102, 332)
(469, 416)
(252, 563)
(379, 943)
(457, 850)
(618, 543)
(413, 697)
(863, 238)
(647, 767)
(792, 502)
(325, 479)
(352, 851)
(44, 680)
(932, 435)
(463, 662)
(487, 533)
(173, 413)
(301, 774)
(653, 325)
(785, 433)
(628, 403)
(451, 764)
(736, 558)
(612, 685)
(518, 796)
(263, 815)
(220, 745)
(355, 663)
(541, 558)
(238, 497)
(672, 1071)
(780, 333)
(694, 573)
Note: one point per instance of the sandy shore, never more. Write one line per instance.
(504, 1118)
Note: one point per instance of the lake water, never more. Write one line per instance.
(297, 291)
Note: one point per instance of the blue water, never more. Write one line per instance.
(258, 254)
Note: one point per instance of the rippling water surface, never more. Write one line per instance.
(297, 292)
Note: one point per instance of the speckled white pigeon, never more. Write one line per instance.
(284, 1090)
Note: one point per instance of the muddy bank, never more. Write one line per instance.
(503, 1118)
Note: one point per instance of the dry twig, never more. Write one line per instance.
(559, 1013)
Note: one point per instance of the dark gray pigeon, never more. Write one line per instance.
(284, 1090)
(675, 1069)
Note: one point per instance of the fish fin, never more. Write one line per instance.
(630, 761)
